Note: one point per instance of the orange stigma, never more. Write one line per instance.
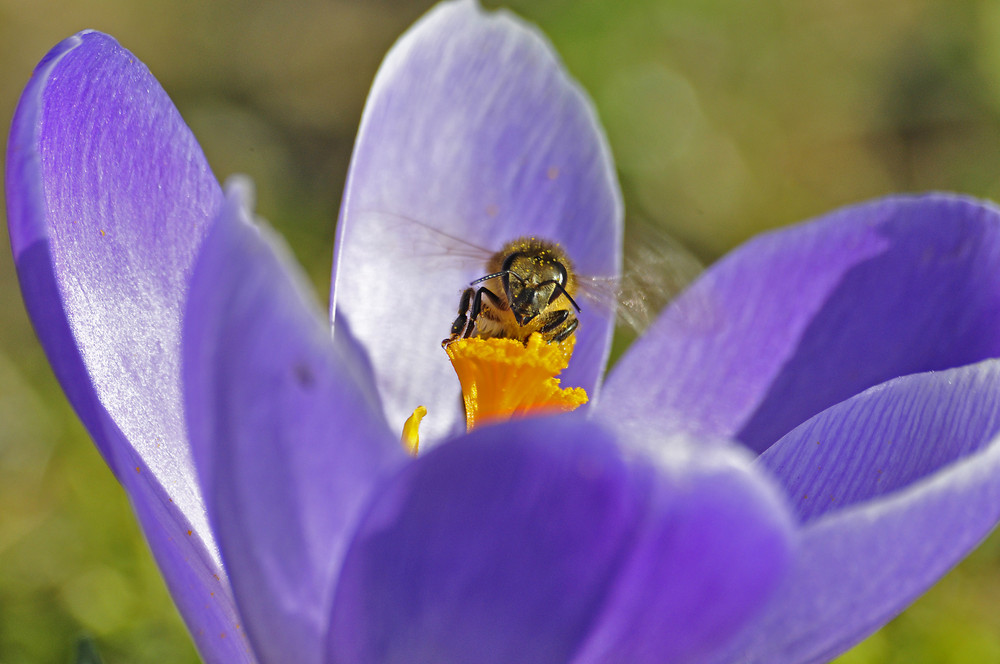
(503, 378)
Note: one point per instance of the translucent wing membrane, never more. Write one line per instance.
(430, 244)
(657, 269)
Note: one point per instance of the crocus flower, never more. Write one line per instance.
(798, 447)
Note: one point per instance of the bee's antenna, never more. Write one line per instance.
(489, 276)
(560, 289)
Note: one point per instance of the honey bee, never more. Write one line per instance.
(529, 288)
(531, 285)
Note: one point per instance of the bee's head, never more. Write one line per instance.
(531, 283)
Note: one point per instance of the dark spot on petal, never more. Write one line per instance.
(304, 375)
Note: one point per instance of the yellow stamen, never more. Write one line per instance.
(503, 378)
(411, 430)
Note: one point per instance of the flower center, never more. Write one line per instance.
(503, 378)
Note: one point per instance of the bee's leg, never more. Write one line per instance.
(463, 313)
(563, 334)
(477, 306)
(557, 325)
(458, 327)
(551, 320)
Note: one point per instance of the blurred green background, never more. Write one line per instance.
(726, 118)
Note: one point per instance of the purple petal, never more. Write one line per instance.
(904, 482)
(196, 582)
(887, 439)
(287, 432)
(798, 320)
(473, 134)
(108, 197)
(535, 541)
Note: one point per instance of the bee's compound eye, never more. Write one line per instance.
(561, 275)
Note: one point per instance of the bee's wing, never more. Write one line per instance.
(657, 268)
(429, 243)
